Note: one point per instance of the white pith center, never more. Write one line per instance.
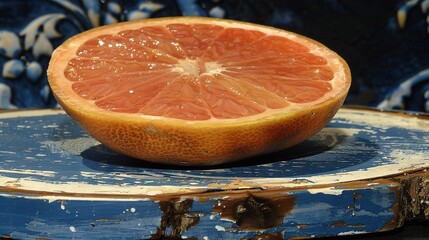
(197, 67)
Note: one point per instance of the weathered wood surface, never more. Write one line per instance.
(365, 172)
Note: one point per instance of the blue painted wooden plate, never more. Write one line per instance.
(364, 172)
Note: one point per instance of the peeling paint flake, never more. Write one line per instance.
(51, 126)
(220, 228)
(26, 172)
(380, 119)
(328, 190)
(7, 152)
(351, 233)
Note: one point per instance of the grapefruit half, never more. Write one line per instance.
(197, 91)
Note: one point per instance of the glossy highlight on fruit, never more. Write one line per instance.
(197, 91)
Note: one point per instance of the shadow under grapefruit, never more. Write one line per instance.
(309, 157)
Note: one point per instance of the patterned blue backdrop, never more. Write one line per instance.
(386, 43)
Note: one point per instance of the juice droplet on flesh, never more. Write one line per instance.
(196, 72)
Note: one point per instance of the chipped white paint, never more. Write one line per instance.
(400, 161)
(351, 233)
(51, 126)
(31, 113)
(220, 228)
(143, 175)
(58, 189)
(27, 172)
(404, 161)
(383, 120)
(8, 152)
(85, 188)
(327, 190)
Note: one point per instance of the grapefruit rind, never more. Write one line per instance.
(214, 141)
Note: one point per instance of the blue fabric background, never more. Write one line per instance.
(387, 53)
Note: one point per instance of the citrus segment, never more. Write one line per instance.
(167, 87)
(194, 39)
(148, 37)
(178, 100)
(228, 55)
